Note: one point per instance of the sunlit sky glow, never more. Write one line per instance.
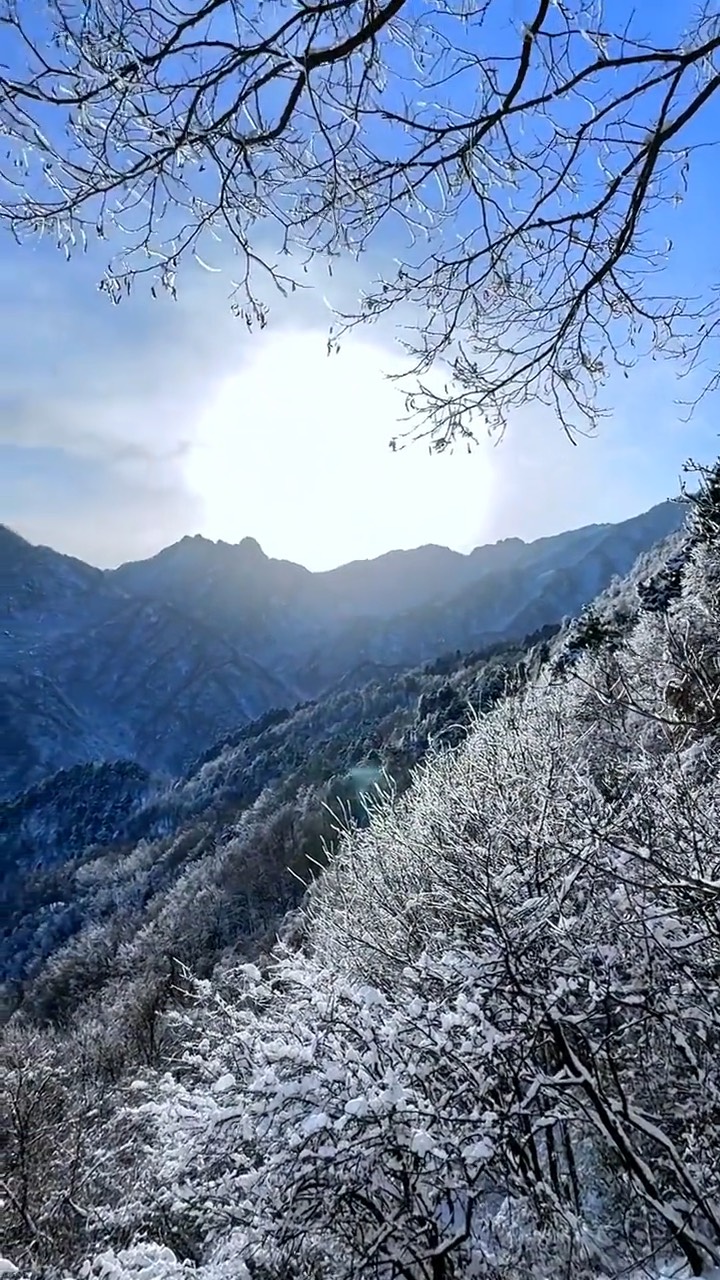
(124, 428)
(294, 448)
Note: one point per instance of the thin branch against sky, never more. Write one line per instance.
(513, 163)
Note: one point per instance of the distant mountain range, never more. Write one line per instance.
(153, 662)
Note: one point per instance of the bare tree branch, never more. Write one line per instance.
(512, 171)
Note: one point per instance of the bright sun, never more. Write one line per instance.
(293, 450)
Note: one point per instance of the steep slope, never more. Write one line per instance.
(190, 869)
(88, 672)
(498, 997)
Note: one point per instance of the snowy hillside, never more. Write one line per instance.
(418, 980)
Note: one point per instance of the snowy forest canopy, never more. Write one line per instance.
(486, 1044)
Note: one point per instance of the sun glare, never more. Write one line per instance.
(293, 450)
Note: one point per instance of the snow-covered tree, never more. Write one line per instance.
(497, 1054)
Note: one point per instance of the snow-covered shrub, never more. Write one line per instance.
(326, 1129)
(573, 842)
(546, 1097)
(60, 1147)
(499, 1053)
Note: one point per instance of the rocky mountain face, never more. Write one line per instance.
(89, 672)
(155, 661)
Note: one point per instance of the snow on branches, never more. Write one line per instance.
(498, 1055)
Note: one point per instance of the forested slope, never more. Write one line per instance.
(205, 865)
(487, 1040)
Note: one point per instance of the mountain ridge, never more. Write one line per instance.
(248, 542)
(156, 660)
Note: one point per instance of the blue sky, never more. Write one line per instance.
(123, 428)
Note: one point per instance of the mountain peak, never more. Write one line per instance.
(9, 539)
(189, 542)
(197, 542)
(251, 547)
